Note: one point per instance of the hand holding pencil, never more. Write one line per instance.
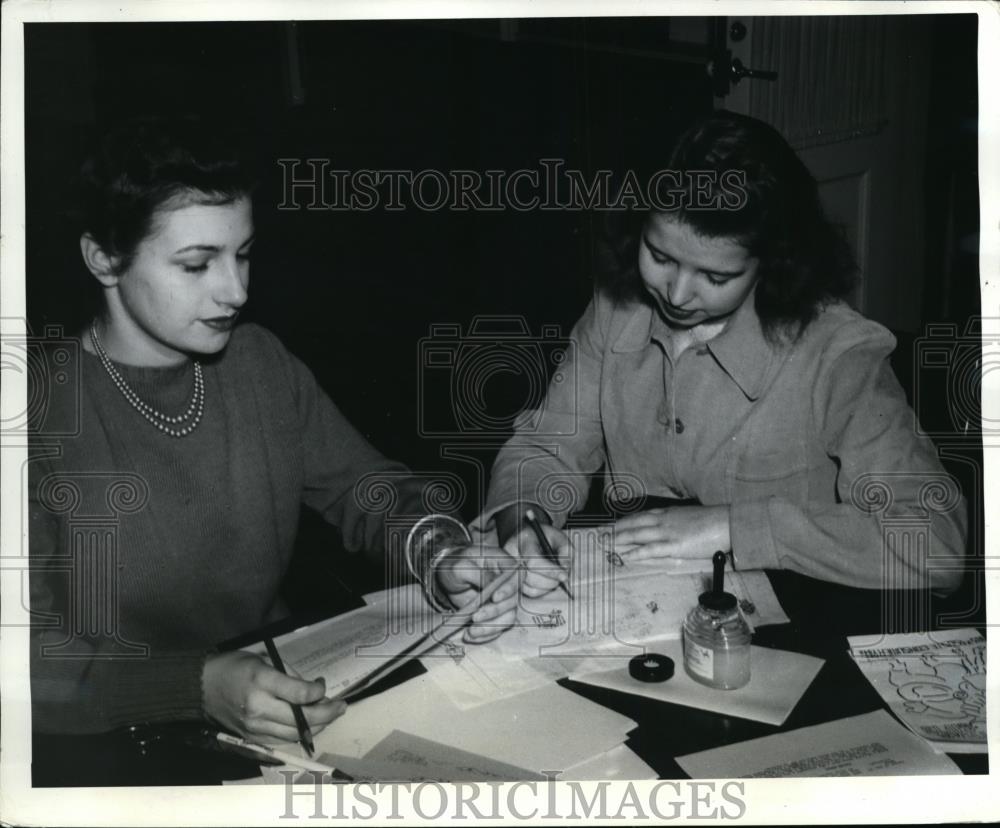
(545, 550)
(246, 695)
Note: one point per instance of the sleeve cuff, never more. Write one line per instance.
(171, 690)
(482, 524)
(751, 535)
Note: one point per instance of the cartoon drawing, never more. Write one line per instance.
(553, 618)
(950, 684)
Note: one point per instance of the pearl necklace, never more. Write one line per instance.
(160, 420)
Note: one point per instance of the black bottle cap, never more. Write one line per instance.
(651, 667)
(718, 599)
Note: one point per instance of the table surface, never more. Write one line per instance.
(822, 615)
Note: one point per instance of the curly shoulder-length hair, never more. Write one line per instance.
(761, 196)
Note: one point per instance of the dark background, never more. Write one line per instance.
(354, 293)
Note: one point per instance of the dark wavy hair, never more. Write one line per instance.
(804, 260)
(147, 163)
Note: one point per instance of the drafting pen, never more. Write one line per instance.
(305, 736)
(547, 549)
(427, 641)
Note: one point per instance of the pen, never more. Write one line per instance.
(305, 737)
(270, 755)
(547, 549)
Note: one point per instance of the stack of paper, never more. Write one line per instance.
(935, 683)
(494, 709)
(403, 757)
(872, 744)
(540, 730)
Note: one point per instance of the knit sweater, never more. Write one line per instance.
(147, 550)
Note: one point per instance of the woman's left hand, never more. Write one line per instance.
(465, 572)
(673, 532)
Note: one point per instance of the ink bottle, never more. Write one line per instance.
(717, 636)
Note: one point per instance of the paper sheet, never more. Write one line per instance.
(547, 729)
(873, 744)
(345, 648)
(620, 762)
(479, 674)
(778, 679)
(934, 682)
(403, 757)
(625, 611)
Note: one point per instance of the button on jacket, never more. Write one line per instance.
(811, 443)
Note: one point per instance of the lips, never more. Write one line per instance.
(221, 323)
(675, 312)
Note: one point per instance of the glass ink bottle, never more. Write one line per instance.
(717, 636)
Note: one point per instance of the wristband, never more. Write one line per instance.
(431, 539)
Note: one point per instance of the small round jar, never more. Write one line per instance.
(717, 642)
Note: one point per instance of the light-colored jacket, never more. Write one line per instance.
(811, 444)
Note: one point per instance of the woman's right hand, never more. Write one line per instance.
(246, 695)
(518, 538)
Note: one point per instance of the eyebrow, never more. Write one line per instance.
(728, 274)
(211, 248)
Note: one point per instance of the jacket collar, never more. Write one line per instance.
(741, 349)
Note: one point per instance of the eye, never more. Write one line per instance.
(244, 256)
(201, 267)
(658, 256)
(715, 281)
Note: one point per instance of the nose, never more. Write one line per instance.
(680, 288)
(233, 281)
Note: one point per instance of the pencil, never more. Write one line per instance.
(427, 642)
(305, 736)
(547, 549)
